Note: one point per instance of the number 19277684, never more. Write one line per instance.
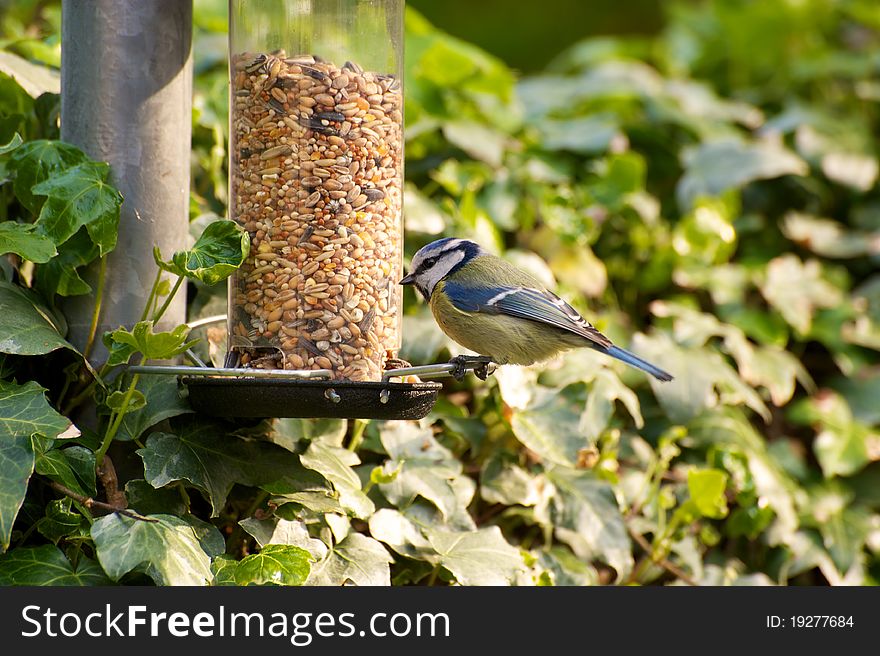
(810, 622)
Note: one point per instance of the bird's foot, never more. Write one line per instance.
(481, 365)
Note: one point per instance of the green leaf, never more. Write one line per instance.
(586, 517)
(378, 476)
(59, 275)
(335, 464)
(37, 161)
(217, 253)
(509, 484)
(12, 144)
(223, 568)
(24, 415)
(605, 390)
(204, 454)
(288, 432)
(550, 425)
(26, 328)
(73, 466)
(155, 346)
(843, 450)
(167, 550)
(427, 469)
(478, 141)
(117, 399)
(163, 401)
(276, 530)
(25, 412)
(402, 534)
(356, 559)
(583, 134)
(35, 79)
(713, 167)
(23, 240)
(481, 557)
(797, 288)
(62, 522)
(47, 565)
(828, 237)
(276, 564)
(147, 500)
(77, 197)
(706, 488)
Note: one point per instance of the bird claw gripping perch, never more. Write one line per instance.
(482, 366)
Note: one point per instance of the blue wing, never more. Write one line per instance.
(524, 303)
(545, 307)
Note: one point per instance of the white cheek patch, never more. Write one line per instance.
(441, 268)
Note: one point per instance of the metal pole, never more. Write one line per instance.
(126, 98)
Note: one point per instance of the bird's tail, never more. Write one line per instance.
(633, 360)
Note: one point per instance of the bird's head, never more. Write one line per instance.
(432, 263)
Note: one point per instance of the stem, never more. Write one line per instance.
(99, 297)
(357, 434)
(149, 304)
(90, 503)
(116, 420)
(168, 300)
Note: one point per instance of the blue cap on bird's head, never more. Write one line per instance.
(436, 260)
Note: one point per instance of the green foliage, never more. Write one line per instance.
(219, 251)
(706, 197)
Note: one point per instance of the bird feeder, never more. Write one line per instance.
(316, 180)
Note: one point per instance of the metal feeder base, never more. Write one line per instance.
(268, 397)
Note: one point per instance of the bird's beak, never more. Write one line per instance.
(407, 280)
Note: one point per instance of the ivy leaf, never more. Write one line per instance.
(356, 559)
(25, 412)
(59, 275)
(203, 454)
(223, 569)
(217, 253)
(549, 426)
(427, 468)
(605, 390)
(716, 166)
(481, 557)
(402, 534)
(276, 530)
(117, 399)
(24, 240)
(276, 564)
(47, 565)
(509, 484)
(335, 464)
(62, 522)
(797, 288)
(706, 488)
(35, 162)
(155, 346)
(26, 328)
(167, 550)
(587, 518)
(147, 500)
(12, 144)
(77, 197)
(73, 466)
(25, 416)
(163, 401)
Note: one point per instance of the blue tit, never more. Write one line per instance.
(496, 310)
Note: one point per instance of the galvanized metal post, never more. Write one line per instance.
(126, 98)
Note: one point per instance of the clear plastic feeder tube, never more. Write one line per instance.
(316, 178)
